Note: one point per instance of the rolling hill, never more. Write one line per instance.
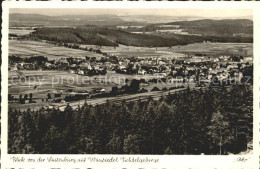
(26, 20)
(101, 29)
(95, 35)
(208, 27)
(19, 20)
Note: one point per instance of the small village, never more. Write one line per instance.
(184, 65)
(131, 82)
(176, 71)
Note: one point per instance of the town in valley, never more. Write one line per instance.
(67, 72)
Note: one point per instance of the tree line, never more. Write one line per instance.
(113, 37)
(212, 121)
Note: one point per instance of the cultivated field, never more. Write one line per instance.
(26, 48)
(20, 32)
(40, 83)
(49, 81)
(132, 51)
(30, 48)
(214, 48)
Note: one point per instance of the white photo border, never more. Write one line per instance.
(165, 161)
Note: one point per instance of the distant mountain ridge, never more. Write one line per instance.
(68, 20)
(17, 19)
(102, 30)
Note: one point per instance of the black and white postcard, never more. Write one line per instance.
(130, 85)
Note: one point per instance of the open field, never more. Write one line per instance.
(20, 32)
(40, 83)
(52, 81)
(28, 48)
(116, 99)
(132, 51)
(209, 48)
(216, 48)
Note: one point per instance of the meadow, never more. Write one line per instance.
(40, 83)
(207, 48)
(225, 48)
(45, 79)
(20, 32)
(28, 48)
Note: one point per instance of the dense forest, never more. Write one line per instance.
(94, 35)
(212, 121)
(209, 27)
(70, 35)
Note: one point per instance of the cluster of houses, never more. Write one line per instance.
(80, 66)
(188, 66)
(222, 66)
(175, 70)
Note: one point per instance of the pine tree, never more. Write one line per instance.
(187, 122)
(220, 132)
(114, 146)
(132, 144)
(147, 129)
(54, 144)
(161, 128)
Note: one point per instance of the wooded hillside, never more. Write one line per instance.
(215, 121)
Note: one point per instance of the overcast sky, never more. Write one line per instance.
(166, 12)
